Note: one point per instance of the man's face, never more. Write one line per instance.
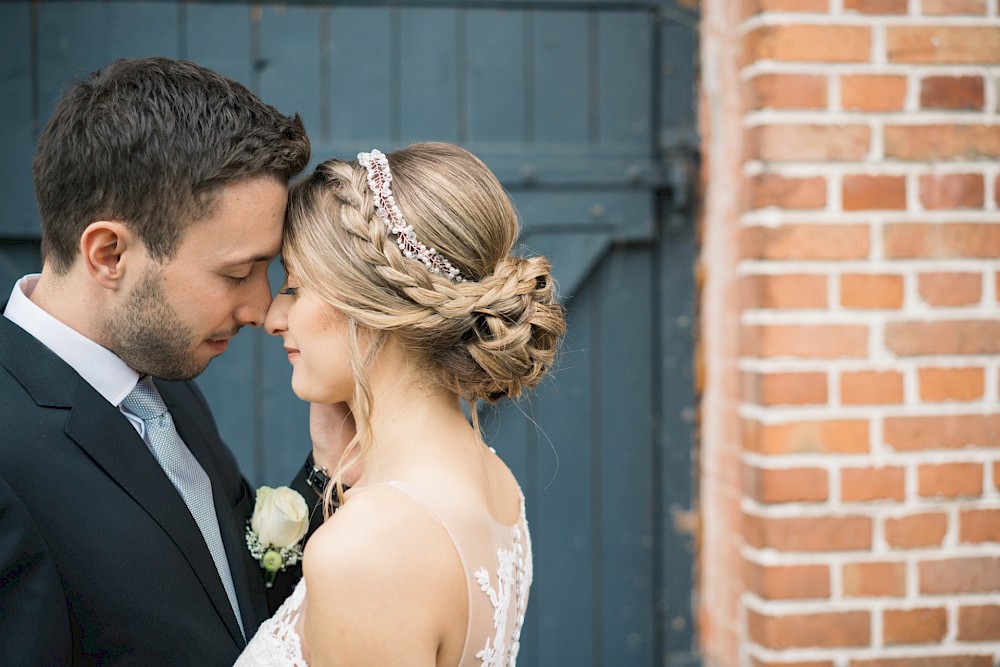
(181, 313)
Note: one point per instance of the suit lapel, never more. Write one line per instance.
(105, 434)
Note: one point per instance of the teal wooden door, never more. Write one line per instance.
(584, 109)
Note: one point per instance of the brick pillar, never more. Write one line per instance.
(850, 479)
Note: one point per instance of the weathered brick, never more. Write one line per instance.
(865, 484)
(996, 474)
(959, 575)
(788, 582)
(947, 191)
(872, 92)
(916, 530)
(807, 242)
(951, 384)
(757, 662)
(951, 240)
(871, 387)
(950, 288)
(876, 6)
(979, 525)
(786, 192)
(830, 341)
(920, 660)
(846, 436)
(808, 143)
(813, 534)
(909, 434)
(758, 6)
(950, 480)
(874, 579)
(979, 623)
(942, 142)
(808, 43)
(785, 388)
(777, 485)
(959, 93)
(798, 290)
(914, 626)
(787, 91)
(831, 630)
(863, 192)
(952, 7)
(871, 290)
(941, 45)
(943, 337)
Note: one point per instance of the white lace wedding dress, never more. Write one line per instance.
(497, 562)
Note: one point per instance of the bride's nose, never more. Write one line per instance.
(276, 322)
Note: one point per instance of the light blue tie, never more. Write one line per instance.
(185, 473)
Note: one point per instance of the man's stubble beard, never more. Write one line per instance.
(148, 334)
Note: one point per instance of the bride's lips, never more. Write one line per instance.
(292, 352)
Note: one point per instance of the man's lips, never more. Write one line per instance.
(222, 342)
(219, 344)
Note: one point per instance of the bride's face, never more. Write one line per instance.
(316, 340)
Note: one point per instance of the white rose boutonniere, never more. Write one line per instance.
(280, 520)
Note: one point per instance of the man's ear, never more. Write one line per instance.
(105, 248)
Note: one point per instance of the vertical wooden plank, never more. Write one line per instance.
(229, 384)
(624, 89)
(495, 89)
(73, 40)
(290, 79)
(360, 90)
(560, 88)
(428, 75)
(676, 580)
(503, 427)
(17, 208)
(141, 29)
(226, 51)
(626, 572)
(560, 509)
(679, 43)
(284, 422)
(290, 56)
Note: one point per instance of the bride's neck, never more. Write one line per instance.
(412, 418)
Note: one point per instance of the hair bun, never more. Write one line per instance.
(516, 326)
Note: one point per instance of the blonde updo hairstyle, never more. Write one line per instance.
(494, 335)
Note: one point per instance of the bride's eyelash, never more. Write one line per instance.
(289, 291)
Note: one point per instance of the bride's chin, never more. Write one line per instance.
(310, 393)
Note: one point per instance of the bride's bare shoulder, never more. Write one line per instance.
(379, 534)
(400, 574)
(371, 518)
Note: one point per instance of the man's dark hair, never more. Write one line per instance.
(150, 142)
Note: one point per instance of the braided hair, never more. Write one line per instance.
(491, 336)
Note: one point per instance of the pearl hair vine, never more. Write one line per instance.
(379, 178)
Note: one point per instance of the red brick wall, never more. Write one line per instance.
(851, 338)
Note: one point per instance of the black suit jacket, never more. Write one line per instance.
(100, 559)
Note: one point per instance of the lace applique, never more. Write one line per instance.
(276, 643)
(512, 577)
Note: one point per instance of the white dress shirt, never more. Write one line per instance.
(101, 368)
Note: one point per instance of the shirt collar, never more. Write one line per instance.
(101, 368)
